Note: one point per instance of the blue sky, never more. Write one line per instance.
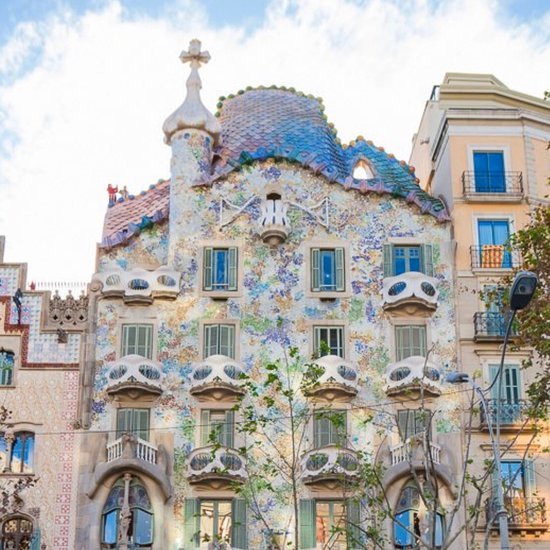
(86, 85)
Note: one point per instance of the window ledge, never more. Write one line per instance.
(15, 474)
(328, 296)
(221, 294)
(493, 197)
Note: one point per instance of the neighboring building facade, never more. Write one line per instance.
(269, 235)
(484, 149)
(41, 346)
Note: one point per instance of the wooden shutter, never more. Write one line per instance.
(406, 423)
(210, 340)
(238, 524)
(493, 371)
(232, 268)
(128, 336)
(353, 528)
(321, 430)
(123, 421)
(227, 340)
(140, 423)
(388, 260)
(307, 524)
(427, 260)
(315, 270)
(227, 437)
(191, 523)
(205, 427)
(340, 274)
(529, 481)
(511, 391)
(207, 268)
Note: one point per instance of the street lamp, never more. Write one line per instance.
(521, 292)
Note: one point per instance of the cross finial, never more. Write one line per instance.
(194, 55)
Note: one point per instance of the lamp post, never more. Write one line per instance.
(521, 292)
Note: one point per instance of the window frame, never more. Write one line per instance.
(425, 256)
(227, 431)
(421, 425)
(224, 322)
(20, 437)
(409, 324)
(122, 409)
(218, 244)
(328, 244)
(328, 325)
(126, 324)
(10, 371)
(337, 435)
(488, 151)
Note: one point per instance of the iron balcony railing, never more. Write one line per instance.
(523, 512)
(494, 256)
(510, 183)
(510, 413)
(488, 324)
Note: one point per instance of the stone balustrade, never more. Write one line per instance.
(139, 285)
(130, 446)
(406, 452)
(134, 372)
(414, 372)
(411, 291)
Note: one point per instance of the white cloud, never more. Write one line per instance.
(90, 110)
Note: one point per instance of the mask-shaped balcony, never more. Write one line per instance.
(134, 375)
(411, 293)
(412, 374)
(215, 467)
(139, 286)
(330, 378)
(327, 467)
(217, 378)
(274, 225)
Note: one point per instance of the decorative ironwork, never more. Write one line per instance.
(491, 325)
(523, 512)
(494, 256)
(511, 414)
(510, 183)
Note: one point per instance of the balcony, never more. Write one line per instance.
(526, 515)
(327, 467)
(512, 415)
(330, 378)
(411, 293)
(274, 225)
(492, 186)
(130, 446)
(494, 257)
(215, 467)
(134, 375)
(491, 326)
(412, 374)
(139, 286)
(413, 451)
(217, 378)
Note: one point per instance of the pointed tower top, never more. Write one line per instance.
(192, 113)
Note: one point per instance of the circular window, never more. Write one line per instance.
(166, 280)
(428, 289)
(138, 284)
(431, 373)
(150, 372)
(231, 462)
(316, 462)
(118, 372)
(202, 372)
(346, 372)
(397, 288)
(400, 374)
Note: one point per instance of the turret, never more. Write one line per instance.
(192, 131)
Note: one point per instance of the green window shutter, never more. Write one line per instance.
(128, 338)
(123, 421)
(141, 423)
(210, 340)
(239, 531)
(307, 525)
(511, 390)
(35, 542)
(340, 274)
(229, 430)
(530, 485)
(322, 432)
(353, 528)
(493, 371)
(388, 260)
(207, 268)
(315, 270)
(232, 259)
(427, 260)
(227, 340)
(205, 428)
(191, 523)
(406, 423)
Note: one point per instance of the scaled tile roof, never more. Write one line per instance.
(265, 123)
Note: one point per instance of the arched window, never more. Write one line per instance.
(137, 531)
(362, 170)
(17, 534)
(7, 361)
(413, 522)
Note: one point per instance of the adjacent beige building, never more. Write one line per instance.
(483, 149)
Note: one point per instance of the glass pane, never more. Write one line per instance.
(142, 527)
(224, 522)
(206, 523)
(28, 453)
(512, 478)
(322, 527)
(6, 368)
(110, 527)
(399, 261)
(414, 259)
(220, 269)
(328, 275)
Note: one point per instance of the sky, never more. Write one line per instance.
(85, 86)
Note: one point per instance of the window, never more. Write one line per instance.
(217, 427)
(17, 452)
(7, 360)
(330, 524)
(410, 340)
(220, 268)
(134, 421)
(137, 340)
(489, 172)
(492, 236)
(327, 270)
(411, 525)
(400, 259)
(219, 339)
(17, 533)
(517, 478)
(215, 524)
(328, 341)
(412, 422)
(139, 533)
(511, 388)
(329, 428)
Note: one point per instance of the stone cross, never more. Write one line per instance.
(194, 55)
